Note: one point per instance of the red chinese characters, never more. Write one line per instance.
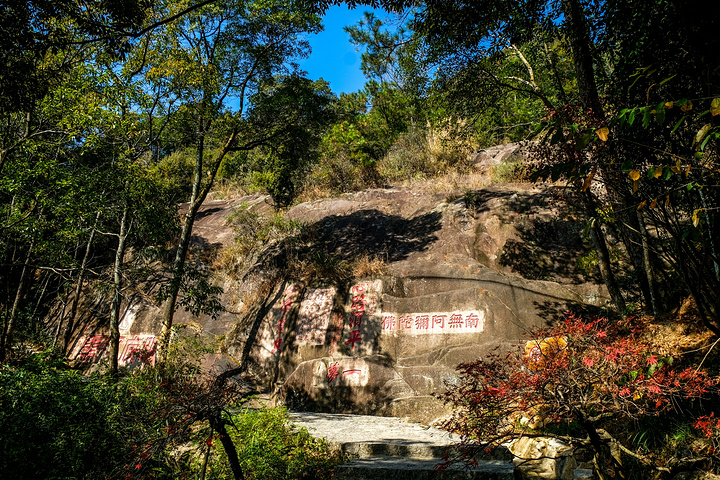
(94, 346)
(139, 349)
(358, 307)
(456, 320)
(421, 323)
(472, 320)
(289, 298)
(388, 322)
(438, 321)
(333, 371)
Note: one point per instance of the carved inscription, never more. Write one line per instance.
(314, 316)
(433, 323)
(289, 298)
(132, 350)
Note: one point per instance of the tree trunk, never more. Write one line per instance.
(603, 254)
(648, 263)
(218, 424)
(6, 338)
(78, 288)
(197, 198)
(117, 294)
(579, 37)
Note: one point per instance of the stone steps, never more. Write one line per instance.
(387, 448)
(397, 468)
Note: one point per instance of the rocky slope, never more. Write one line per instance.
(463, 273)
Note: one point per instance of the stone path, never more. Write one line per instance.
(387, 448)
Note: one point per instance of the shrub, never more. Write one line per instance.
(591, 383)
(56, 423)
(269, 447)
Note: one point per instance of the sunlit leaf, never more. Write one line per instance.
(647, 116)
(702, 133)
(687, 106)
(677, 168)
(642, 205)
(602, 133)
(583, 141)
(634, 175)
(653, 204)
(667, 201)
(663, 82)
(660, 113)
(696, 218)
(668, 105)
(715, 107)
(677, 125)
(658, 172)
(588, 179)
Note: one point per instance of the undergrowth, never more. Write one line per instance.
(269, 447)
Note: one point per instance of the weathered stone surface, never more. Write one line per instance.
(545, 458)
(465, 274)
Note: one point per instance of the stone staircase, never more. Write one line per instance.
(387, 448)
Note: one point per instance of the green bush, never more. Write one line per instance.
(56, 423)
(270, 448)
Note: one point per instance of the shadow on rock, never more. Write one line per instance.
(373, 232)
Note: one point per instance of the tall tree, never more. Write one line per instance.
(218, 54)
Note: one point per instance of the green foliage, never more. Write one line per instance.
(270, 447)
(57, 423)
(293, 113)
(511, 170)
(423, 153)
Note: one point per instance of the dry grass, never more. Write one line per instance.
(225, 189)
(681, 333)
(367, 266)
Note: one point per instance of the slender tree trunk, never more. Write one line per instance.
(58, 329)
(647, 261)
(78, 288)
(556, 75)
(579, 37)
(6, 339)
(218, 424)
(117, 294)
(33, 318)
(178, 269)
(600, 246)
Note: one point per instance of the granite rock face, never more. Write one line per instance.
(465, 274)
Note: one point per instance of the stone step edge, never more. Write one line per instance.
(390, 468)
(417, 451)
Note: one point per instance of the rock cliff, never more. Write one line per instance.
(462, 275)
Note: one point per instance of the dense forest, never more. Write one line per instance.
(112, 113)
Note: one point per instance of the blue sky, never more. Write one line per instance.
(333, 57)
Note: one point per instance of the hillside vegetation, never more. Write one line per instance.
(112, 114)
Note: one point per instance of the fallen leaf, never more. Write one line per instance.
(603, 133)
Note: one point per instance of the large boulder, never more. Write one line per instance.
(465, 273)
